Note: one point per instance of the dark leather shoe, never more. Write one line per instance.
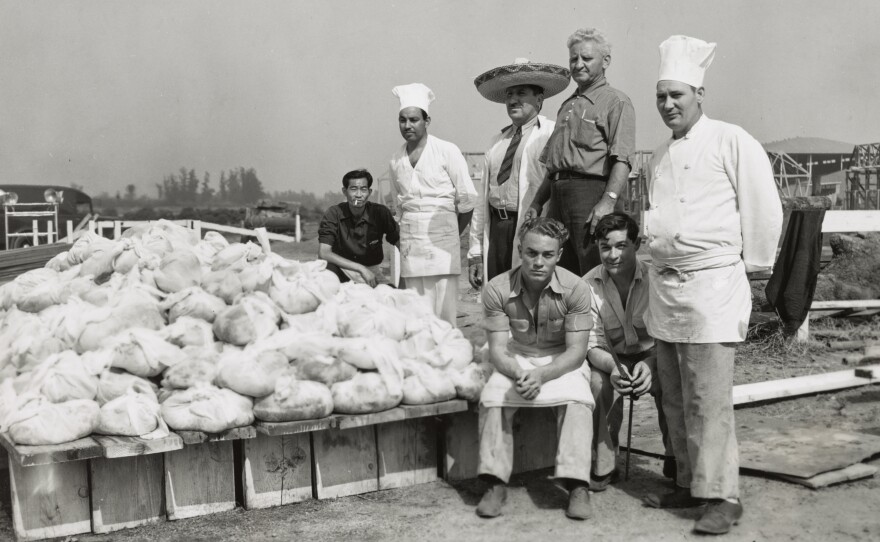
(680, 497)
(718, 517)
(601, 483)
(579, 504)
(670, 468)
(492, 501)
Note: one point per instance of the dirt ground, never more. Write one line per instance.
(774, 509)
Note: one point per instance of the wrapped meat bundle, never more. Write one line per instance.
(326, 370)
(224, 284)
(295, 400)
(193, 302)
(364, 393)
(62, 377)
(179, 270)
(362, 320)
(425, 384)
(469, 381)
(199, 365)
(132, 415)
(305, 290)
(114, 383)
(252, 318)
(250, 372)
(187, 331)
(40, 422)
(207, 408)
(142, 352)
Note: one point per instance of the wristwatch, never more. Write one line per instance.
(612, 195)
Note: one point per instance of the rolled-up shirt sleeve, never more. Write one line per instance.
(392, 230)
(328, 229)
(596, 337)
(493, 310)
(578, 315)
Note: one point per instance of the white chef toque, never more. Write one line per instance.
(414, 95)
(685, 59)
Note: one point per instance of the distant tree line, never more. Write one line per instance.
(237, 186)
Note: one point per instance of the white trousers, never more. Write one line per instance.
(441, 291)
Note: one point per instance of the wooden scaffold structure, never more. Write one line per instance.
(863, 178)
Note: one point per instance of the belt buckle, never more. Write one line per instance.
(503, 213)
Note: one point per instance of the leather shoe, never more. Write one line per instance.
(492, 501)
(601, 483)
(718, 517)
(670, 468)
(680, 497)
(579, 504)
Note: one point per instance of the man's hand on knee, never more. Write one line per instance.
(642, 378)
(528, 384)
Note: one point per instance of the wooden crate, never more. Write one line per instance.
(127, 492)
(277, 470)
(407, 451)
(345, 461)
(50, 501)
(199, 480)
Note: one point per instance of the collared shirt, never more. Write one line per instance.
(506, 196)
(593, 130)
(564, 305)
(622, 328)
(358, 239)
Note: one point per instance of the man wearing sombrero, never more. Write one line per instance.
(512, 171)
(588, 155)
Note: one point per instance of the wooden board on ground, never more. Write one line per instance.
(236, 433)
(126, 492)
(534, 439)
(801, 450)
(50, 501)
(853, 472)
(345, 462)
(434, 409)
(26, 456)
(348, 421)
(274, 429)
(277, 470)
(199, 480)
(407, 452)
(461, 450)
(116, 446)
(800, 385)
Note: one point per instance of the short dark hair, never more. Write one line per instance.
(543, 225)
(615, 222)
(424, 113)
(357, 174)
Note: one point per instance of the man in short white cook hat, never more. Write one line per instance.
(714, 215)
(512, 170)
(436, 196)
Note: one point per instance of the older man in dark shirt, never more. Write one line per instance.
(588, 155)
(350, 234)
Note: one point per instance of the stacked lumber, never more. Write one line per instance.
(16, 261)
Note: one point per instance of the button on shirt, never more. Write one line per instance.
(590, 129)
(359, 240)
(622, 328)
(506, 196)
(564, 305)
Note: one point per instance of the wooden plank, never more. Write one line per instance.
(245, 231)
(127, 492)
(850, 221)
(345, 462)
(277, 470)
(407, 452)
(27, 456)
(274, 429)
(116, 446)
(801, 385)
(199, 480)
(461, 457)
(846, 304)
(534, 439)
(872, 372)
(348, 421)
(236, 433)
(853, 472)
(50, 501)
(434, 409)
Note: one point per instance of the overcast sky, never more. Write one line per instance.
(107, 93)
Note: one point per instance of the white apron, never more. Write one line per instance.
(429, 242)
(572, 387)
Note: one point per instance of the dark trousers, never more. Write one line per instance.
(338, 272)
(571, 201)
(501, 234)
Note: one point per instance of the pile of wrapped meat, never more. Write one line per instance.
(161, 331)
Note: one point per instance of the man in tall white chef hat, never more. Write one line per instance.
(714, 215)
(434, 191)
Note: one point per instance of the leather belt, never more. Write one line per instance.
(503, 214)
(574, 175)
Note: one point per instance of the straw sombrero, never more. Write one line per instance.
(493, 84)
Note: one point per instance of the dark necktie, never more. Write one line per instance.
(507, 163)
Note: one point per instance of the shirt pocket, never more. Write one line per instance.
(556, 329)
(587, 133)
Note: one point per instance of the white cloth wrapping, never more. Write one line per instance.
(572, 387)
(529, 179)
(714, 215)
(429, 195)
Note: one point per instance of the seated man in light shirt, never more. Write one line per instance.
(537, 318)
(619, 299)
